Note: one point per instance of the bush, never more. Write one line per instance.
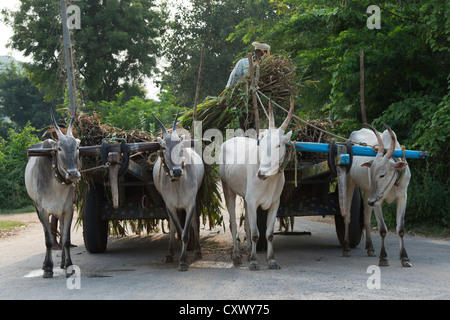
(137, 112)
(428, 197)
(13, 160)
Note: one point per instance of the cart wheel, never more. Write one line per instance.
(95, 230)
(356, 221)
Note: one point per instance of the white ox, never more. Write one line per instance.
(178, 175)
(253, 172)
(382, 178)
(49, 182)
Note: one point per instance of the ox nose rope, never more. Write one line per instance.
(166, 166)
(56, 173)
(389, 186)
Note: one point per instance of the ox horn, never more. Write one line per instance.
(380, 141)
(55, 125)
(289, 116)
(163, 128)
(174, 128)
(69, 129)
(271, 117)
(393, 141)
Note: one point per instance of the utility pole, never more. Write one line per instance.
(361, 87)
(253, 88)
(68, 51)
(197, 91)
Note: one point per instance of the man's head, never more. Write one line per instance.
(261, 48)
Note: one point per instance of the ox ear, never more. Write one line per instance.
(49, 143)
(182, 137)
(160, 141)
(367, 164)
(288, 136)
(401, 165)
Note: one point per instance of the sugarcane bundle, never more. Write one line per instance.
(89, 129)
(312, 130)
(275, 77)
(91, 132)
(309, 132)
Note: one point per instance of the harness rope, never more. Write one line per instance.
(56, 173)
(166, 167)
(95, 168)
(304, 121)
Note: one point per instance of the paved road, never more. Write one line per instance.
(311, 268)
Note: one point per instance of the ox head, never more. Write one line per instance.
(172, 150)
(66, 152)
(383, 172)
(272, 145)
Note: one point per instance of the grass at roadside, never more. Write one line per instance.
(431, 231)
(26, 209)
(7, 225)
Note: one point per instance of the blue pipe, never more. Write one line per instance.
(357, 150)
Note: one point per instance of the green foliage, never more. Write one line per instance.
(5, 126)
(324, 38)
(436, 136)
(13, 160)
(137, 112)
(210, 23)
(7, 225)
(21, 101)
(115, 48)
(422, 122)
(429, 195)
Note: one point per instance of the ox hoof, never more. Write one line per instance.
(383, 262)
(273, 265)
(346, 253)
(169, 259)
(254, 266)
(69, 274)
(371, 253)
(48, 274)
(183, 267)
(406, 264)
(237, 261)
(198, 256)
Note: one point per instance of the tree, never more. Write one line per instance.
(22, 101)
(115, 48)
(207, 22)
(323, 38)
(13, 160)
(137, 112)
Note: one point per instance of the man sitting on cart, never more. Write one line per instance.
(241, 68)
